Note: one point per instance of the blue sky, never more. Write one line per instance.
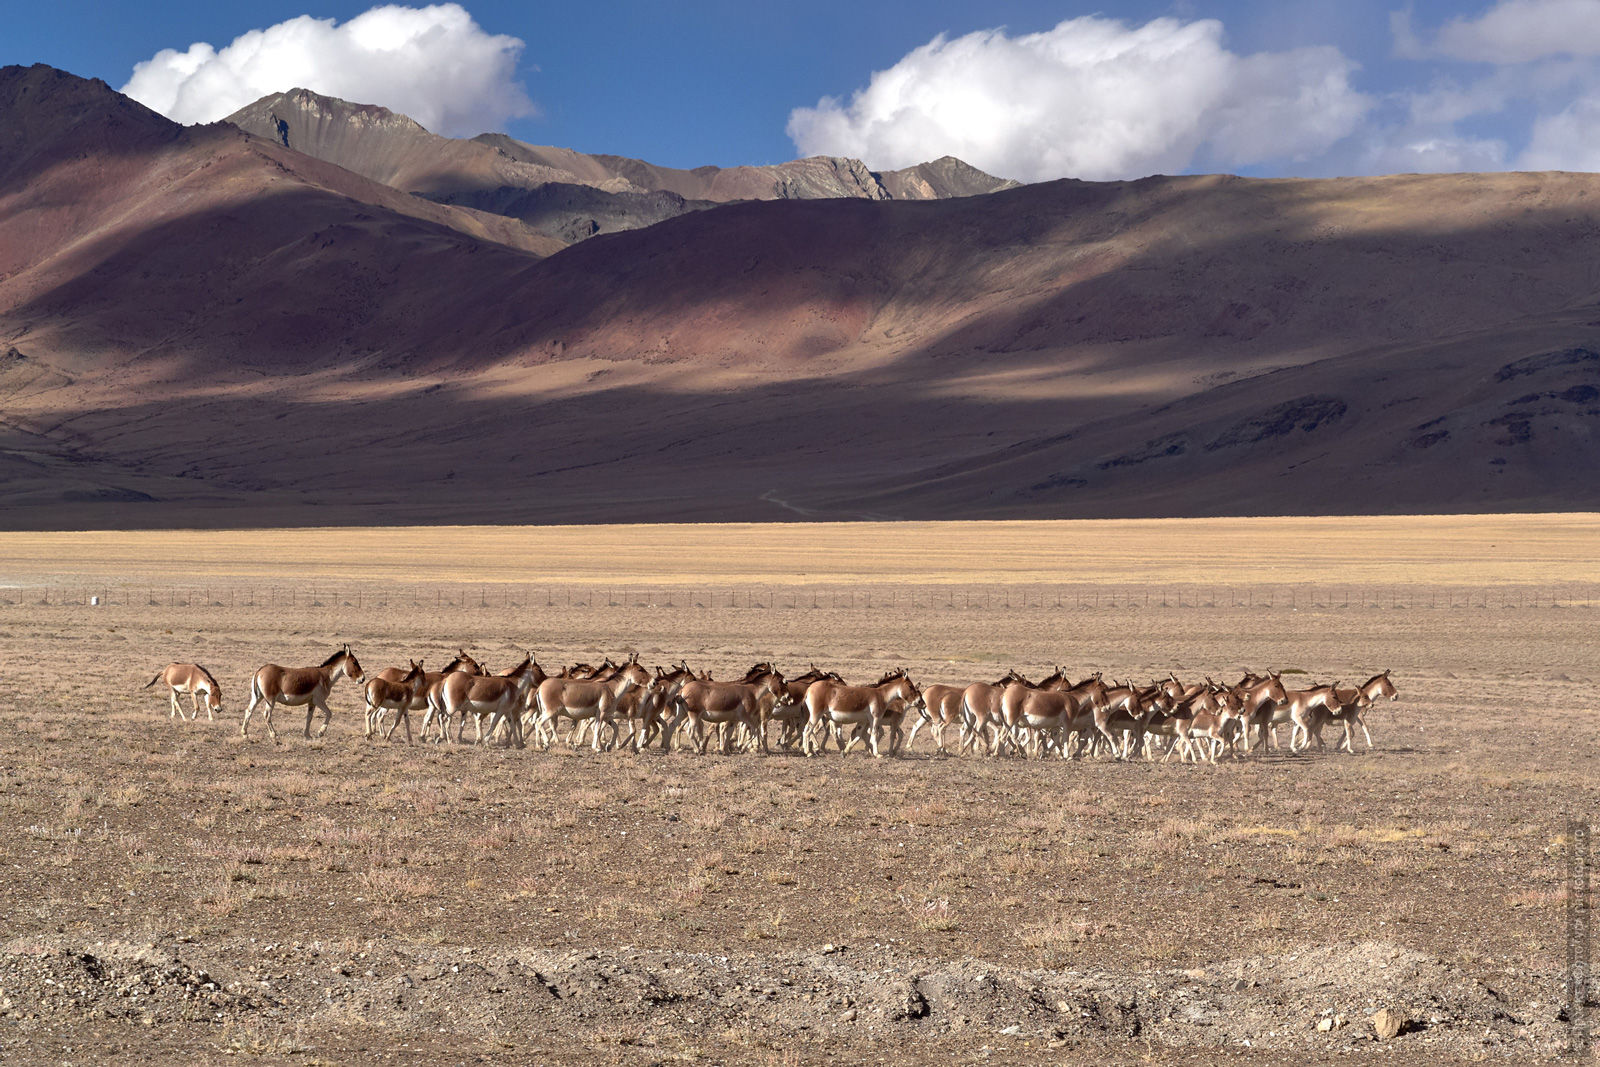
(1023, 88)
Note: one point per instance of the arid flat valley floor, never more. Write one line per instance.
(174, 891)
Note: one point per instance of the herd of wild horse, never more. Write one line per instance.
(1194, 721)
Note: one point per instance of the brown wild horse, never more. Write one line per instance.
(791, 713)
(193, 679)
(728, 704)
(585, 698)
(493, 696)
(1353, 704)
(1378, 687)
(382, 695)
(645, 709)
(829, 703)
(981, 713)
(1263, 696)
(295, 687)
(431, 680)
(1034, 716)
(941, 710)
(1309, 710)
(1204, 723)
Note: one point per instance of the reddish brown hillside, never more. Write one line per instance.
(129, 237)
(346, 353)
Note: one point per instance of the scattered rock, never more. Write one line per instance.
(1388, 1024)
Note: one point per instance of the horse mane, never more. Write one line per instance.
(898, 672)
(335, 658)
(208, 677)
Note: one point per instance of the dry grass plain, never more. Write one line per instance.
(175, 891)
(1462, 550)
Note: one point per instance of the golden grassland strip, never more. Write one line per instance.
(1475, 550)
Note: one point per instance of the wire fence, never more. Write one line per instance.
(938, 598)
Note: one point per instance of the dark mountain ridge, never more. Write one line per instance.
(562, 193)
(203, 327)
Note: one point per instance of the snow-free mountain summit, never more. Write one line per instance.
(205, 326)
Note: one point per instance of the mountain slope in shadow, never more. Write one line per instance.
(202, 327)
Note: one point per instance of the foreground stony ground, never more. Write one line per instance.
(174, 891)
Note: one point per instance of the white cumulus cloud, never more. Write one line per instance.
(1092, 98)
(1567, 140)
(432, 63)
(1511, 31)
(1424, 151)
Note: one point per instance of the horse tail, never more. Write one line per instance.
(154, 680)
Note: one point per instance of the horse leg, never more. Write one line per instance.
(514, 735)
(1300, 732)
(918, 725)
(809, 734)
